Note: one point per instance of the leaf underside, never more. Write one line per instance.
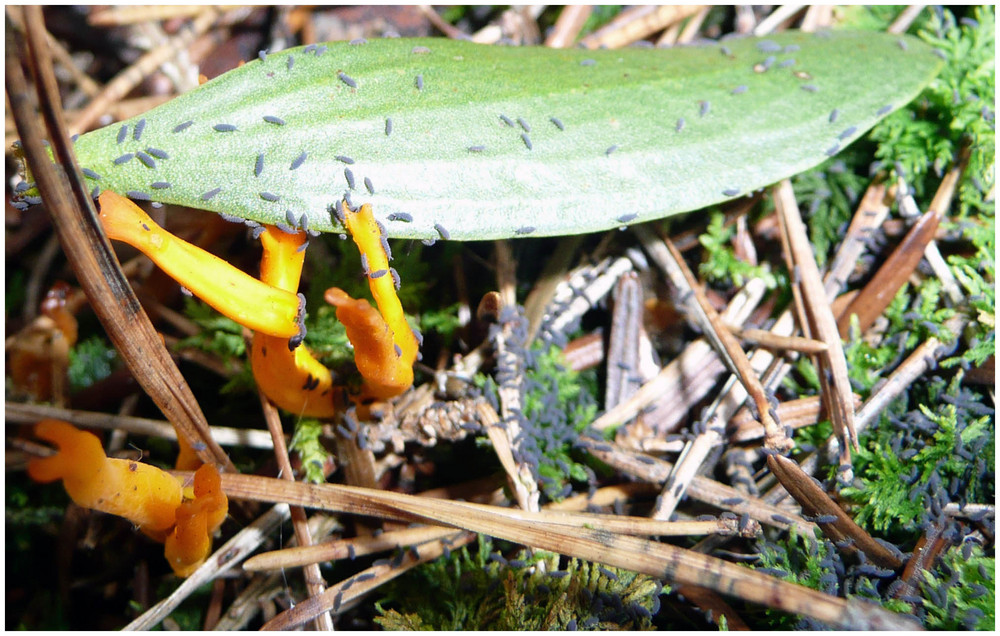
(637, 134)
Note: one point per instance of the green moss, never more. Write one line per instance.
(469, 590)
(90, 361)
(558, 406)
(306, 442)
(916, 455)
(721, 265)
(220, 336)
(961, 593)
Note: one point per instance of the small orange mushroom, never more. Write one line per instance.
(39, 353)
(151, 498)
(294, 380)
(142, 493)
(230, 291)
(190, 543)
(384, 345)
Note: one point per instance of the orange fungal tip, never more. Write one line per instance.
(384, 345)
(142, 493)
(190, 543)
(149, 497)
(293, 379)
(230, 291)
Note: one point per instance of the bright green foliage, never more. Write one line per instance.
(306, 443)
(90, 361)
(899, 466)
(622, 139)
(977, 276)
(721, 264)
(969, 597)
(955, 110)
(866, 364)
(469, 591)
(220, 335)
(884, 497)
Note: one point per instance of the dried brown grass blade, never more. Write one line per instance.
(314, 580)
(532, 529)
(340, 596)
(343, 548)
(816, 502)
(817, 319)
(87, 249)
(890, 278)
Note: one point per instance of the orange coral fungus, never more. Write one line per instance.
(190, 543)
(39, 354)
(294, 380)
(233, 293)
(147, 496)
(384, 345)
(143, 494)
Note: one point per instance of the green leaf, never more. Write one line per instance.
(634, 141)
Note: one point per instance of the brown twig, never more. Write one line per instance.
(88, 249)
(895, 271)
(816, 318)
(314, 579)
(568, 25)
(225, 436)
(643, 556)
(637, 23)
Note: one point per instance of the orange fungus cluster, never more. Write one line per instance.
(149, 497)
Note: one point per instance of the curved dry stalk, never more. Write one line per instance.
(314, 579)
(533, 529)
(88, 249)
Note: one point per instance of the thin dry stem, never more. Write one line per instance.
(568, 25)
(817, 318)
(528, 528)
(314, 580)
(640, 22)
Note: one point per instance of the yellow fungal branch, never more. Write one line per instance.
(384, 345)
(294, 380)
(143, 494)
(231, 292)
(151, 498)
